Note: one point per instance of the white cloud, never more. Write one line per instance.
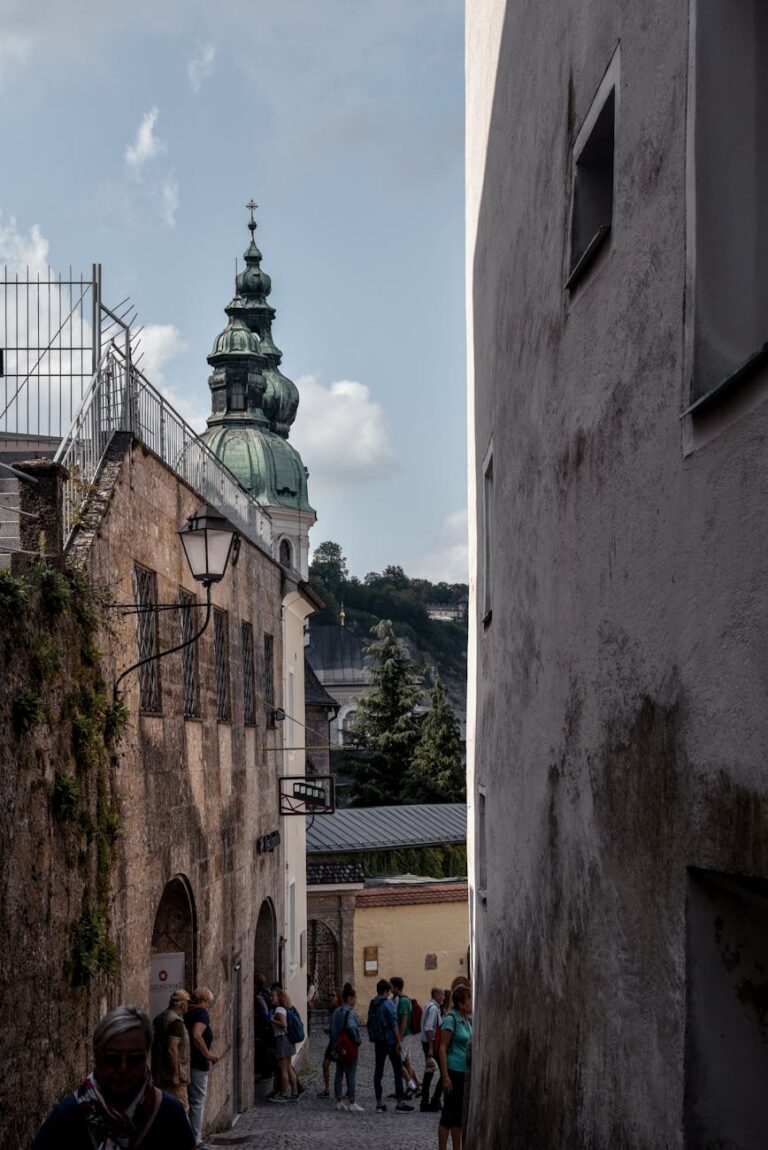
(200, 67)
(19, 251)
(14, 50)
(160, 343)
(146, 146)
(341, 433)
(447, 560)
(169, 200)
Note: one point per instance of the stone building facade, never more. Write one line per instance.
(618, 726)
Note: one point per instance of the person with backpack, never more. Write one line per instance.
(455, 1033)
(384, 1033)
(345, 1036)
(285, 1046)
(409, 1027)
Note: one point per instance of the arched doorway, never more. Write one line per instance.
(265, 964)
(174, 943)
(323, 960)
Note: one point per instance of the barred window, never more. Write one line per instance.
(249, 684)
(146, 639)
(188, 625)
(221, 660)
(269, 678)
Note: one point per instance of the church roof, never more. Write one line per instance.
(254, 403)
(336, 654)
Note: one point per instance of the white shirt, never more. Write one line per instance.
(430, 1019)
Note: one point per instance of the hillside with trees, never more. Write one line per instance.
(437, 647)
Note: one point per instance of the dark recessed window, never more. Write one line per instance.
(592, 208)
(286, 553)
(188, 626)
(249, 682)
(146, 639)
(221, 661)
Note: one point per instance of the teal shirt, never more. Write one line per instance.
(461, 1029)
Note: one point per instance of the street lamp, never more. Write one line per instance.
(208, 540)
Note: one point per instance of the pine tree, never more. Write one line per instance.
(437, 773)
(386, 726)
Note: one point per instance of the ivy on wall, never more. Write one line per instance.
(58, 716)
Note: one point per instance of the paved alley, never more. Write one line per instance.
(315, 1124)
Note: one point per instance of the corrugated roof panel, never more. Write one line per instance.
(385, 828)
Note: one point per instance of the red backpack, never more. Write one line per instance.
(416, 1016)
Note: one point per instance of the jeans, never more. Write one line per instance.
(198, 1086)
(350, 1069)
(384, 1052)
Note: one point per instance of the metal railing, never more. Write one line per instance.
(121, 398)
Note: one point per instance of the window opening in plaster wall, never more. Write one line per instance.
(249, 679)
(269, 678)
(147, 646)
(286, 553)
(593, 180)
(347, 727)
(487, 542)
(188, 625)
(221, 662)
(726, 1033)
(729, 260)
(482, 848)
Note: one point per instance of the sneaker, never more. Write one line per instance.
(323, 1094)
(381, 1108)
(357, 1109)
(403, 1108)
(278, 1098)
(292, 1098)
(341, 1105)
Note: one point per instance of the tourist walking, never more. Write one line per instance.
(409, 1042)
(430, 1042)
(345, 1037)
(384, 1034)
(329, 1058)
(198, 1023)
(118, 1105)
(284, 1048)
(170, 1049)
(455, 1033)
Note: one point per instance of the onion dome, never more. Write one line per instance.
(254, 404)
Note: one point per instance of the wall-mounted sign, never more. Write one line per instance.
(370, 960)
(166, 974)
(265, 844)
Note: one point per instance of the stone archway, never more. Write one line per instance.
(323, 960)
(265, 964)
(174, 934)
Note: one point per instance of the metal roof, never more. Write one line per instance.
(387, 828)
(336, 654)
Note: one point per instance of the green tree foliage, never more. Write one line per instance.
(386, 727)
(436, 773)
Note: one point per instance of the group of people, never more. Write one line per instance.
(441, 1038)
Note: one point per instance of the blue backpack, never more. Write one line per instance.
(377, 1031)
(295, 1025)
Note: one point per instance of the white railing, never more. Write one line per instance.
(121, 398)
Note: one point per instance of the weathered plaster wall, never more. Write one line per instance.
(426, 944)
(195, 795)
(618, 708)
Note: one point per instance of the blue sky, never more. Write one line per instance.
(134, 134)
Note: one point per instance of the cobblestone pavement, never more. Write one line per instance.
(314, 1123)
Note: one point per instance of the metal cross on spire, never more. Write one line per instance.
(251, 206)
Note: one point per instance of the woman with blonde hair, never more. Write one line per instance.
(284, 1048)
(198, 1023)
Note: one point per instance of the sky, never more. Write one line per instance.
(133, 135)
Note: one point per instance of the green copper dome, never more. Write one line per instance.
(254, 404)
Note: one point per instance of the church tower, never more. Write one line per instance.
(253, 408)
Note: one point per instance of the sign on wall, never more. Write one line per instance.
(166, 975)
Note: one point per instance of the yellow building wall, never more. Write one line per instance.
(405, 936)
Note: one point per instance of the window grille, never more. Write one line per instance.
(269, 678)
(249, 683)
(188, 625)
(221, 660)
(146, 639)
